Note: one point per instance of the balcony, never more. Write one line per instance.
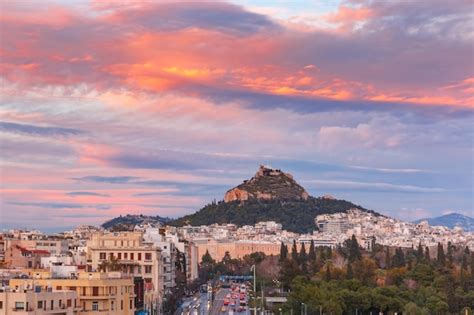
(96, 297)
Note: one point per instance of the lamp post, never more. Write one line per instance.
(254, 289)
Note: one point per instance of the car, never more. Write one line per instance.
(223, 309)
(226, 301)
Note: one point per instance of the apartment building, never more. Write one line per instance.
(26, 301)
(19, 256)
(128, 253)
(97, 293)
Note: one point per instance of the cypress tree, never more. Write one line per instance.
(450, 255)
(427, 255)
(354, 250)
(283, 252)
(303, 260)
(419, 252)
(294, 252)
(441, 258)
(312, 252)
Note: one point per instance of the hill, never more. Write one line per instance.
(270, 195)
(128, 222)
(294, 215)
(451, 221)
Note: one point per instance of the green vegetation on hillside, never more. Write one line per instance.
(295, 215)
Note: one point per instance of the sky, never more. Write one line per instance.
(157, 108)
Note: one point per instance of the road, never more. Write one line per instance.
(197, 305)
(219, 302)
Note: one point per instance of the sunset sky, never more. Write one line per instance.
(158, 108)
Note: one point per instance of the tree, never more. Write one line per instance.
(312, 252)
(354, 250)
(441, 258)
(388, 262)
(303, 259)
(427, 255)
(207, 258)
(350, 272)
(283, 252)
(398, 259)
(327, 275)
(449, 255)
(294, 252)
(419, 253)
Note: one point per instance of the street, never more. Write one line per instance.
(219, 301)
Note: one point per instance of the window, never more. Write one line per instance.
(52, 304)
(102, 256)
(40, 304)
(95, 291)
(59, 287)
(119, 255)
(1, 305)
(121, 305)
(147, 269)
(95, 306)
(131, 304)
(19, 305)
(139, 256)
(69, 303)
(125, 255)
(111, 305)
(60, 303)
(147, 256)
(131, 256)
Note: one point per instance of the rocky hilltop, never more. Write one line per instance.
(267, 184)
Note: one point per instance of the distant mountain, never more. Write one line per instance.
(451, 221)
(271, 195)
(128, 222)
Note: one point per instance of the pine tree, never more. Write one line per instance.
(441, 258)
(283, 252)
(294, 252)
(350, 272)
(398, 259)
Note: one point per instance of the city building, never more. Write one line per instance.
(35, 301)
(127, 252)
(97, 293)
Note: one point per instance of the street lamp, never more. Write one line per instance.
(305, 308)
(254, 289)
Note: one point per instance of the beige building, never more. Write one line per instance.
(97, 293)
(236, 249)
(19, 256)
(133, 257)
(23, 301)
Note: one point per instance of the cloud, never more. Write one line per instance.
(401, 53)
(375, 186)
(38, 130)
(106, 179)
(86, 193)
